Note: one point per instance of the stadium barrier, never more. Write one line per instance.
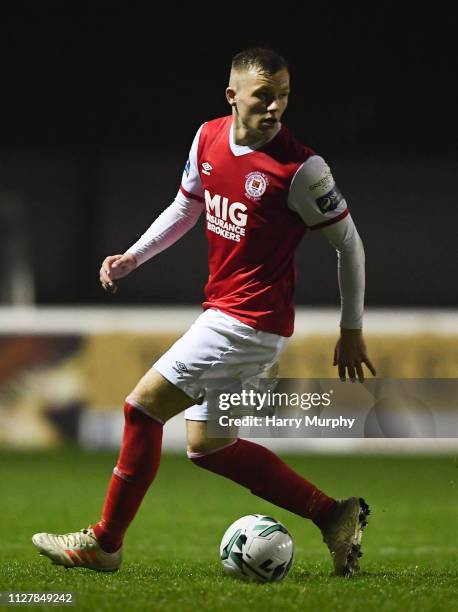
(65, 371)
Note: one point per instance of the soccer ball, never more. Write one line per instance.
(257, 547)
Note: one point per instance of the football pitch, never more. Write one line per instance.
(171, 558)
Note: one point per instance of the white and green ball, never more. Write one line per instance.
(257, 547)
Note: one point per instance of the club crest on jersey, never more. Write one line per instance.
(255, 185)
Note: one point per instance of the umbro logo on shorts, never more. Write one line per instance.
(180, 367)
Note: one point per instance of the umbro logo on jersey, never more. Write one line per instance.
(206, 168)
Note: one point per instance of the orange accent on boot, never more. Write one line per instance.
(91, 556)
(74, 556)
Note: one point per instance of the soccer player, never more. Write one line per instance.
(260, 190)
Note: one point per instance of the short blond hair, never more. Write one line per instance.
(263, 60)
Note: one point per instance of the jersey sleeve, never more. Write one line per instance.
(314, 195)
(170, 226)
(191, 185)
(345, 239)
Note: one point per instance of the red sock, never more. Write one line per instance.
(137, 466)
(267, 476)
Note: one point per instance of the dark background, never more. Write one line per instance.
(101, 102)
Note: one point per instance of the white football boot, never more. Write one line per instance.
(79, 549)
(343, 535)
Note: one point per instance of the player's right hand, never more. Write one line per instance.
(114, 267)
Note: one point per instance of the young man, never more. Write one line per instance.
(261, 189)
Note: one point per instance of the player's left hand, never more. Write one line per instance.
(349, 355)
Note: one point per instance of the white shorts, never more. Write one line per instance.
(217, 346)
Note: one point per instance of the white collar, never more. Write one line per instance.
(238, 150)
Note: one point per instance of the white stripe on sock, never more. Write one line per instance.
(211, 452)
(141, 408)
(117, 472)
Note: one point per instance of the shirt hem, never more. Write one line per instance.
(257, 325)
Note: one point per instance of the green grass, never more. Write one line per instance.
(171, 552)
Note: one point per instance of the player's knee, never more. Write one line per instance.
(199, 443)
(205, 446)
(197, 447)
(158, 397)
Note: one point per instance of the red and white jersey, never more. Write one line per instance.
(259, 202)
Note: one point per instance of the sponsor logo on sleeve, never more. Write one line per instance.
(325, 183)
(330, 201)
(187, 167)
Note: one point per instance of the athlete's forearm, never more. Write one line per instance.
(350, 252)
(169, 227)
